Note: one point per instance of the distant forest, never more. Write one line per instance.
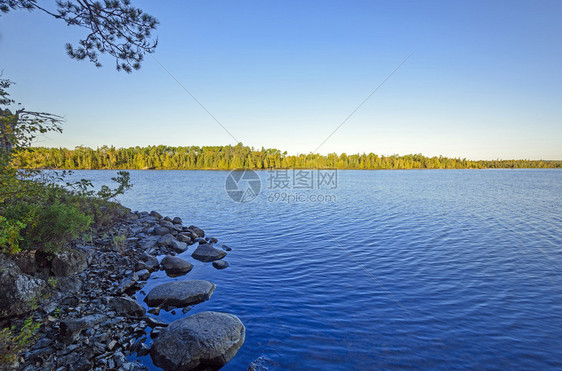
(240, 156)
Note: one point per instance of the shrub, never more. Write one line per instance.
(14, 342)
(10, 236)
(49, 226)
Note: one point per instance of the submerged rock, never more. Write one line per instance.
(207, 253)
(220, 264)
(226, 248)
(207, 339)
(262, 364)
(176, 266)
(180, 293)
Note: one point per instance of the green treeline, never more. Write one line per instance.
(239, 156)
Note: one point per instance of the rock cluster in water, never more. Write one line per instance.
(90, 316)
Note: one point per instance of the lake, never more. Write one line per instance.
(441, 269)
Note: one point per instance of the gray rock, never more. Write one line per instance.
(70, 284)
(150, 261)
(213, 240)
(26, 262)
(207, 339)
(70, 328)
(177, 246)
(155, 322)
(17, 289)
(156, 214)
(198, 231)
(180, 293)
(127, 306)
(156, 331)
(165, 240)
(176, 266)
(167, 219)
(133, 366)
(167, 224)
(226, 248)
(143, 274)
(220, 264)
(148, 242)
(177, 220)
(127, 283)
(71, 261)
(207, 253)
(143, 350)
(184, 237)
(160, 231)
(119, 358)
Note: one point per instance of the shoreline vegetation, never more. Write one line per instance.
(239, 156)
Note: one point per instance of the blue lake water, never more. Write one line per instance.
(441, 269)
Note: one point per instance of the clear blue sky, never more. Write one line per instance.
(484, 82)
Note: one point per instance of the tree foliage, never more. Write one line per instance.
(114, 27)
(239, 156)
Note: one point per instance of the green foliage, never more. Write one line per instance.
(13, 342)
(10, 236)
(123, 179)
(119, 243)
(239, 156)
(53, 282)
(49, 226)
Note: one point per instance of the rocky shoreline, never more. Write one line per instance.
(86, 306)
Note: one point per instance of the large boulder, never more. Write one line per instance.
(176, 266)
(180, 293)
(71, 261)
(17, 289)
(208, 253)
(206, 340)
